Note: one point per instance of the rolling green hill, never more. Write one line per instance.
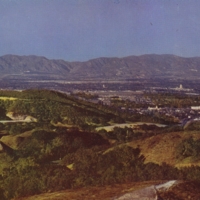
(54, 107)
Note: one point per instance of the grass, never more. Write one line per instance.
(162, 148)
(14, 141)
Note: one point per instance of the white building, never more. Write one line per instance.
(153, 108)
(195, 107)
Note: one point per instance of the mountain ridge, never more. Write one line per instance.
(130, 67)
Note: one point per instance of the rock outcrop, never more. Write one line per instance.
(148, 193)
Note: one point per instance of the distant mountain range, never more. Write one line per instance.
(132, 67)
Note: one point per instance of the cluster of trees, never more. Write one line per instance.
(38, 165)
(188, 148)
(50, 106)
(54, 107)
(127, 134)
(58, 158)
(89, 166)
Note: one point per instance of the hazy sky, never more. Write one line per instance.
(85, 29)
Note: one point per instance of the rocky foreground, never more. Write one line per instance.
(157, 190)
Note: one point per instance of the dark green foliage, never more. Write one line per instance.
(17, 128)
(188, 148)
(2, 112)
(173, 128)
(91, 166)
(128, 134)
(43, 135)
(121, 134)
(2, 194)
(118, 165)
(51, 106)
(34, 180)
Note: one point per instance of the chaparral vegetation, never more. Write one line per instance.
(51, 141)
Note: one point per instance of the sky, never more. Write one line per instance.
(80, 30)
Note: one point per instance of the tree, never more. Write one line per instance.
(43, 135)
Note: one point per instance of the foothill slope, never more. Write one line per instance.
(63, 149)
